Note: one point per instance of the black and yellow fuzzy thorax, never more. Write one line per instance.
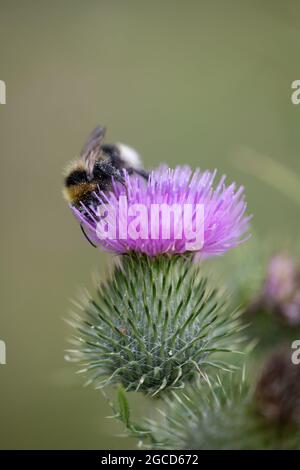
(77, 187)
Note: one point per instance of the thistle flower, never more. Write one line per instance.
(281, 291)
(218, 414)
(280, 294)
(283, 278)
(175, 211)
(154, 325)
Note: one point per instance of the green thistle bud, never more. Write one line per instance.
(153, 326)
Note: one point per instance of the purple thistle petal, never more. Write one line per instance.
(225, 224)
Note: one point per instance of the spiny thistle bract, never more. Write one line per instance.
(216, 415)
(153, 326)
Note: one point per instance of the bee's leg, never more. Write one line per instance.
(82, 229)
(142, 173)
(110, 170)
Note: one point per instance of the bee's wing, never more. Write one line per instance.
(92, 149)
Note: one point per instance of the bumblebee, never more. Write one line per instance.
(98, 164)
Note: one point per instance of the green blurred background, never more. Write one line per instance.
(184, 82)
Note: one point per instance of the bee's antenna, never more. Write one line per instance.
(143, 173)
(82, 229)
